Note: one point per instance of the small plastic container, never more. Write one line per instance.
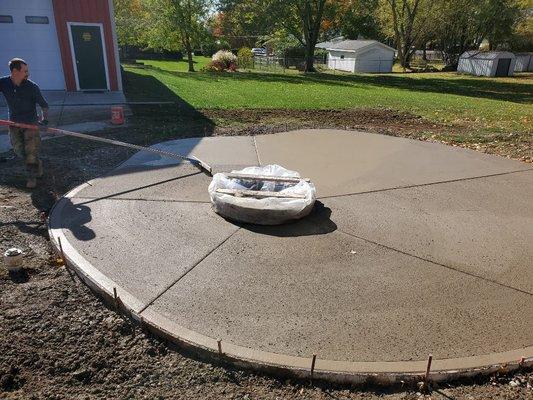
(117, 115)
(13, 259)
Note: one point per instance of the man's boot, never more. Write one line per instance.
(31, 183)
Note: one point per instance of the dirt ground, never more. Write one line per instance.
(59, 341)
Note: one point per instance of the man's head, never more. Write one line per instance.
(19, 70)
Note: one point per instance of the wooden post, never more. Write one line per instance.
(65, 261)
(219, 344)
(313, 361)
(426, 377)
(115, 297)
(61, 251)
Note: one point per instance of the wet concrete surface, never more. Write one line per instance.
(343, 299)
(344, 162)
(438, 266)
(143, 246)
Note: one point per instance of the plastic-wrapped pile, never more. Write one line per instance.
(262, 211)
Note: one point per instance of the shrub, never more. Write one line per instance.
(222, 61)
(225, 57)
(245, 58)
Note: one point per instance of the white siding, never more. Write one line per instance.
(374, 59)
(341, 60)
(35, 43)
(484, 64)
(522, 62)
(476, 66)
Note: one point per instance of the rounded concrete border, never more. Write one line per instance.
(359, 373)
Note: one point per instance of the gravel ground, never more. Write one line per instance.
(59, 341)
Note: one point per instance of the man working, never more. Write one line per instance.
(22, 95)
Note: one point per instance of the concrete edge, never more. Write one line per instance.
(346, 372)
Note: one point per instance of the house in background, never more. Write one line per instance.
(69, 44)
(487, 63)
(359, 55)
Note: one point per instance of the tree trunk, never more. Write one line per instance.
(190, 60)
(189, 55)
(309, 58)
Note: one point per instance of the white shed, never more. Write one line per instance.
(489, 63)
(524, 62)
(360, 56)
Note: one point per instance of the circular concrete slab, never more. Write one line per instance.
(414, 248)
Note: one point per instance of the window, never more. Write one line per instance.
(6, 19)
(36, 20)
(342, 57)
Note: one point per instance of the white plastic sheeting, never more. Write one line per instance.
(263, 211)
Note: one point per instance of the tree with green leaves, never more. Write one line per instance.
(303, 20)
(177, 24)
(130, 19)
(461, 25)
(357, 18)
(499, 18)
(407, 22)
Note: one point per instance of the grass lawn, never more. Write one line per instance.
(494, 104)
(176, 66)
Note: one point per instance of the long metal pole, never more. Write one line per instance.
(193, 160)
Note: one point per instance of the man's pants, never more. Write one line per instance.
(26, 145)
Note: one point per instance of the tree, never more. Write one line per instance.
(358, 18)
(130, 19)
(177, 23)
(406, 22)
(242, 22)
(498, 17)
(303, 20)
(461, 25)
(458, 28)
(522, 37)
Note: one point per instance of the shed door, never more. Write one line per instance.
(503, 67)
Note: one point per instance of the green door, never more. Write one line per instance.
(89, 57)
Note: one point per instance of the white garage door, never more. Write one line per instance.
(32, 36)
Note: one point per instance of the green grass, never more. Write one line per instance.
(176, 66)
(493, 104)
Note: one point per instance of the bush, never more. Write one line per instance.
(245, 58)
(222, 61)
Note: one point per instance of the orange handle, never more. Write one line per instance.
(19, 125)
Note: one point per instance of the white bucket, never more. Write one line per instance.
(13, 259)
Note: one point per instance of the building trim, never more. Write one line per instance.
(115, 41)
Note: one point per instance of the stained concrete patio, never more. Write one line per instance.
(413, 248)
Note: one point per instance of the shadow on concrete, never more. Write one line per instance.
(71, 161)
(316, 223)
(135, 189)
(74, 217)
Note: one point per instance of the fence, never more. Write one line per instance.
(282, 64)
(333, 64)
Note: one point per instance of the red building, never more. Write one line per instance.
(68, 44)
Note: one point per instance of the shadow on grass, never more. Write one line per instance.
(457, 85)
